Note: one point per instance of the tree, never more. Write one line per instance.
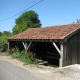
(26, 20)
(78, 20)
(7, 33)
(0, 33)
(3, 40)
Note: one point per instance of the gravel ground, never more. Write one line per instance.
(48, 73)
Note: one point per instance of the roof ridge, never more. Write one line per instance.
(60, 25)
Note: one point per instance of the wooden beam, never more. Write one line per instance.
(8, 45)
(24, 44)
(29, 45)
(56, 48)
(37, 40)
(33, 45)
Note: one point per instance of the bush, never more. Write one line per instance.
(24, 56)
(3, 46)
(3, 43)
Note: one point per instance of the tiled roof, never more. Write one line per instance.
(51, 32)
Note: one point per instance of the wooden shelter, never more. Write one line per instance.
(62, 41)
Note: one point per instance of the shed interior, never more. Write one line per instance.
(44, 50)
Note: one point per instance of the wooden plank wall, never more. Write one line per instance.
(79, 46)
(72, 50)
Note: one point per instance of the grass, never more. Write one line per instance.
(24, 57)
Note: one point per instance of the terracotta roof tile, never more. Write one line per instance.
(53, 32)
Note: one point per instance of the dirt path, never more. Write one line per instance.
(47, 72)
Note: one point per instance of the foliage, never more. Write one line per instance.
(0, 33)
(78, 20)
(26, 20)
(3, 41)
(24, 56)
(7, 33)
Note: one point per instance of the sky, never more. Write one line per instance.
(51, 12)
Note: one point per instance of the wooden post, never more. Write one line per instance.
(61, 56)
(8, 44)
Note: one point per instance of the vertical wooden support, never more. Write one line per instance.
(8, 44)
(61, 56)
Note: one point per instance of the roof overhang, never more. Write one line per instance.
(71, 34)
(37, 40)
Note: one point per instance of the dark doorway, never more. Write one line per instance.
(47, 52)
(43, 50)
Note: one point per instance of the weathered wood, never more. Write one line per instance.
(25, 45)
(36, 40)
(56, 47)
(61, 56)
(8, 44)
(64, 54)
(29, 45)
(72, 34)
(72, 50)
(79, 46)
